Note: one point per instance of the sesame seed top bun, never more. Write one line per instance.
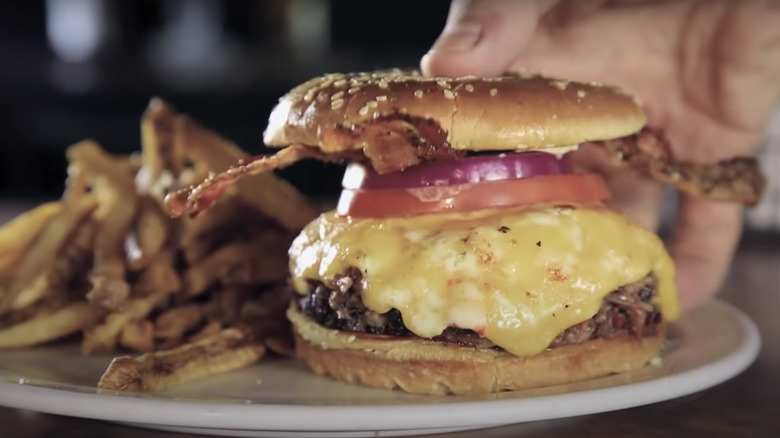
(511, 112)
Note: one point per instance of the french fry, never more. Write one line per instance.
(267, 265)
(47, 247)
(58, 324)
(18, 235)
(149, 234)
(76, 185)
(169, 344)
(159, 277)
(57, 276)
(267, 193)
(239, 260)
(138, 336)
(209, 329)
(103, 338)
(226, 351)
(115, 217)
(107, 260)
(226, 303)
(211, 240)
(267, 238)
(163, 166)
(228, 212)
(175, 322)
(157, 143)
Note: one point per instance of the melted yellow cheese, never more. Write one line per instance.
(518, 276)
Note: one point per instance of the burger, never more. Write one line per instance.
(468, 253)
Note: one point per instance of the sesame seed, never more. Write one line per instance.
(581, 93)
(363, 111)
(443, 83)
(469, 88)
(381, 98)
(383, 84)
(371, 104)
(418, 94)
(341, 83)
(337, 95)
(449, 94)
(336, 104)
(353, 90)
(559, 84)
(493, 91)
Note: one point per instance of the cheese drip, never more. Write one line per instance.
(517, 276)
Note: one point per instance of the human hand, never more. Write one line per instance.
(708, 73)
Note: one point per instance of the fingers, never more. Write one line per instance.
(705, 238)
(636, 196)
(632, 194)
(483, 37)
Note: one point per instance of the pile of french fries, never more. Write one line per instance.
(107, 265)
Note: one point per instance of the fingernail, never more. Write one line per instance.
(459, 38)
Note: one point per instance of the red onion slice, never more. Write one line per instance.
(464, 171)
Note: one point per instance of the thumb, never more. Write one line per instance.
(483, 37)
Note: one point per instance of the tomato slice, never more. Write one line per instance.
(579, 188)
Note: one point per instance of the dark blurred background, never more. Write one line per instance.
(75, 69)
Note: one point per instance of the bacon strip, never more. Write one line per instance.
(389, 144)
(735, 180)
(196, 199)
(387, 149)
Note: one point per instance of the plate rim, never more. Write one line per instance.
(464, 414)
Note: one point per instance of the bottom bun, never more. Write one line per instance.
(425, 367)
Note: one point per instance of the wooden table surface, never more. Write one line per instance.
(748, 405)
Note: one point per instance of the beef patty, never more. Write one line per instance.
(627, 310)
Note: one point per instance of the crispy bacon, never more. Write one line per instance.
(196, 199)
(395, 143)
(388, 144)
(735, 180)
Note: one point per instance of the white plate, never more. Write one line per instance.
(280, 398)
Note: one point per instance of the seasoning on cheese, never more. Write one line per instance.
(518, 276)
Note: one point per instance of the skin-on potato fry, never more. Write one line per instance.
(162, 160)
(225, 304)
(103, 338)
(209, 329)
(138, 336)
(115, 217)
(177, 321)
(228, 350)
(57, 277)
(267, 193)
(228, 212)
(107, 260)
(148, 235)
(47, 247)
(49, 327)
(200, 239)
(19, 234)
(157, 143)
(268, 238)
(159, 277)
(241, 262)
